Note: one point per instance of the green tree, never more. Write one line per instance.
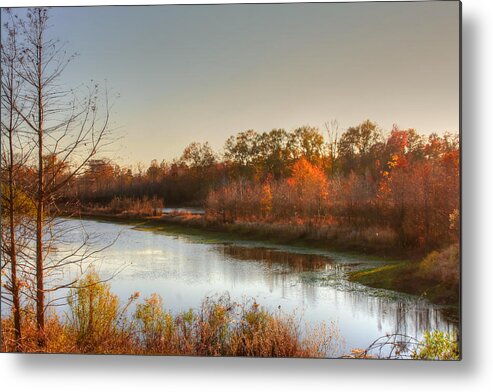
(274, 154)
(307, 142)
(241, 153)
(358, 147)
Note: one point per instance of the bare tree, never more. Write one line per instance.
(66, 130)
(332, 129)
(10, 123)
(15, 154)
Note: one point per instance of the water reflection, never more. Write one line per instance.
(276, 260)
(184, 270)
(409, 315)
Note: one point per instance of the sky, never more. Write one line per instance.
(205, 72)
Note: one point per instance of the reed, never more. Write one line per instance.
(97, 323)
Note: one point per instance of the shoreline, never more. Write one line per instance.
(271, 233)
(398, 275)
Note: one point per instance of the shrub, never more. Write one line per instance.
(437, 345)
(96, 323)
(156, 328)
(94, 313)
(442, 266)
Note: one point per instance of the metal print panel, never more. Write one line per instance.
(266, 180)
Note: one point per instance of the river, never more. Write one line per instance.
(184, 269)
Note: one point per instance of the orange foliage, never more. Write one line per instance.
(308, 178)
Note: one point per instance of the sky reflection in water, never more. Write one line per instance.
(184, 270)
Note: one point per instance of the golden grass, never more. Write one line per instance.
(98, 324)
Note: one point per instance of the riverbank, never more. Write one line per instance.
(302, 235)
(398, 274)
(407, 277)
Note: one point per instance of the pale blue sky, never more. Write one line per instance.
(203, 73)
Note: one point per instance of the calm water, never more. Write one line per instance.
(185, 269)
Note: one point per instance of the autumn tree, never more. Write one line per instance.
(419, 189)
(155, 172)
(311, 187)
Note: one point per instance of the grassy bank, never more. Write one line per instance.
(306, 236)
(435, 278)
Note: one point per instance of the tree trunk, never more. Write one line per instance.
(13, 249)
(40, 319)
(40, 313)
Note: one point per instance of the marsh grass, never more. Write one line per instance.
(128, 207)
(97, 323)
(436, 277)
(442, 266)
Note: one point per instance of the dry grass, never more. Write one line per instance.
(442, 266)
(97, 323)
(375, 238)
(129, 207)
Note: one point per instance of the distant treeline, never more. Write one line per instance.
(401, 186)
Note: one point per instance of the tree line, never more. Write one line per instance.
(399, 186)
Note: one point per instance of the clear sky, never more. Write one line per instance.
(203, 73)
